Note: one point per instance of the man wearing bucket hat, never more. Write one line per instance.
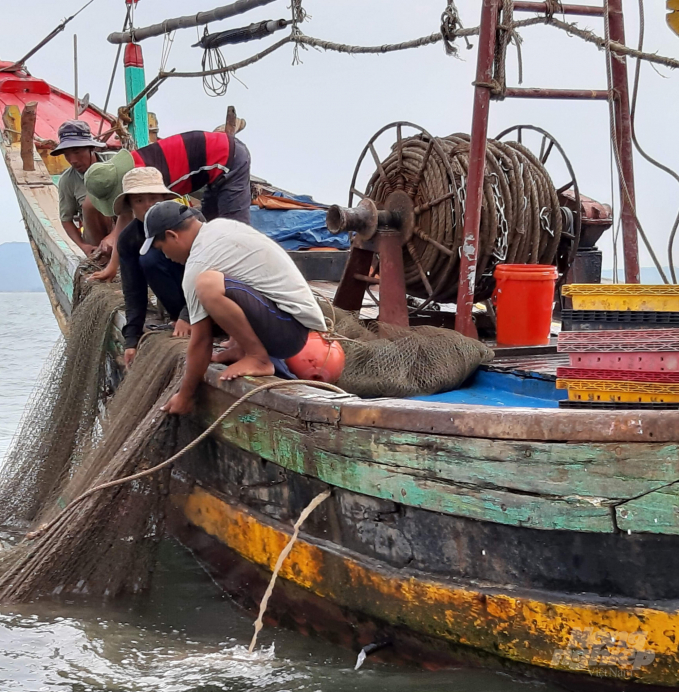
(142, 188)
(187, 162)
(242, 281)
(79, 149)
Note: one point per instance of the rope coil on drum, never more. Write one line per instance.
(521, 220)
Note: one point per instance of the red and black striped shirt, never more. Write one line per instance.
(188, 161)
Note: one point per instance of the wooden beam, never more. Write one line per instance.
(27, 135)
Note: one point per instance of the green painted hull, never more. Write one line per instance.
(505, 532)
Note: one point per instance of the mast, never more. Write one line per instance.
(135, 82)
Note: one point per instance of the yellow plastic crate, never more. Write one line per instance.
(606, 390)
(664, 298)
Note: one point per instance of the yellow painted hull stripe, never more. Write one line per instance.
(522, 629)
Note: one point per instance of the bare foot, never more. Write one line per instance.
(248, 365)
(232, 352)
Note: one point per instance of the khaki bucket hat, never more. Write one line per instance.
(104, 181)
(140, 181)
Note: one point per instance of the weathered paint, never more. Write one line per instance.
(39, 203)
(135, 82)
(654, 512)
(537, 485)
(514, 625)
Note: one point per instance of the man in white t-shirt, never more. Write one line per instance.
(243, 281)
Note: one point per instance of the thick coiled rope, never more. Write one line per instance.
(521, 219)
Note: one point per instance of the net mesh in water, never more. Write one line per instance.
(107, 544)
(60, 418)
(387, 361)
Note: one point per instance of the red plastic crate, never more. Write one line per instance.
(646, 340)
(659, 361)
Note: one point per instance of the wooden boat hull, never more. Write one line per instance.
(544, 538)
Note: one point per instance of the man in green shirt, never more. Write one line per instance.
(75, 209)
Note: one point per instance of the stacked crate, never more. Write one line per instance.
(623, 346)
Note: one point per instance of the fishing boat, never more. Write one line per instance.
(485, 526)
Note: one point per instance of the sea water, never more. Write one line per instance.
(185, 635)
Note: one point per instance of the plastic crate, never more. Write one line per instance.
(616, 406)
(659, 361)
(602, 320)
(663, 298)
(618, 375)
(608, 390)
(646, 340)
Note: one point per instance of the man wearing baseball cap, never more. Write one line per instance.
(80, 150)
(242, 281)
(188, 162)
(142, 188)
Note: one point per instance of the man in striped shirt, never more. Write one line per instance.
(216, 161)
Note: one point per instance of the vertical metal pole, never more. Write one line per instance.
(76, 102)
(393, 305)
(477, 162)
(623, 124)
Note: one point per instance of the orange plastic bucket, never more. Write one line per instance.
(524, 296)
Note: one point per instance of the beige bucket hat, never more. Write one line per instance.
(140, 181)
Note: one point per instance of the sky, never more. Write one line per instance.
(307, 124)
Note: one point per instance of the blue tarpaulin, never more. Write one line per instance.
(296, 229)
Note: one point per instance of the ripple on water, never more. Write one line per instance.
(185, 636)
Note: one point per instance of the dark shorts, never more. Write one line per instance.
(229, 196)
(280, 333)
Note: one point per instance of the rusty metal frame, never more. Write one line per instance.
(490, 11)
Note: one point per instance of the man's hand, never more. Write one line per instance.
(106, 275)
(87, 248)
(178, 404)
(181, 328)
(107, 244)
(130, 353)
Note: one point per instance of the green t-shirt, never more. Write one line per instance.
(72, 194)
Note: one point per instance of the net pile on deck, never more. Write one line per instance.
(67, 444)
(389, 361)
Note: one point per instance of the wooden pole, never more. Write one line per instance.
(27, 134)
(231, 121)
(224, 12)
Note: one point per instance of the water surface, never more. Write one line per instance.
(185, 635)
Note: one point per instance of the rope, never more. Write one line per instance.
(208, 431)
(259, 623)
(302, 39)
(299, 15)
(616, 148)
(521, 219)
(450, 26)
(216, 78)
(648, 157)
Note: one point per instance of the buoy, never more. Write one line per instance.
(321, 359)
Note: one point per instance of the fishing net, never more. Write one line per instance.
(106, 545)
(387, 361)
(60, 418)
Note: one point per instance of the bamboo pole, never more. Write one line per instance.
(186, 22)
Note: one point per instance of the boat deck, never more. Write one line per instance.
(539, 362)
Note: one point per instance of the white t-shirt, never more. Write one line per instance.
(244, 254)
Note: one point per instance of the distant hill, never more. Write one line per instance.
(18, 273)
